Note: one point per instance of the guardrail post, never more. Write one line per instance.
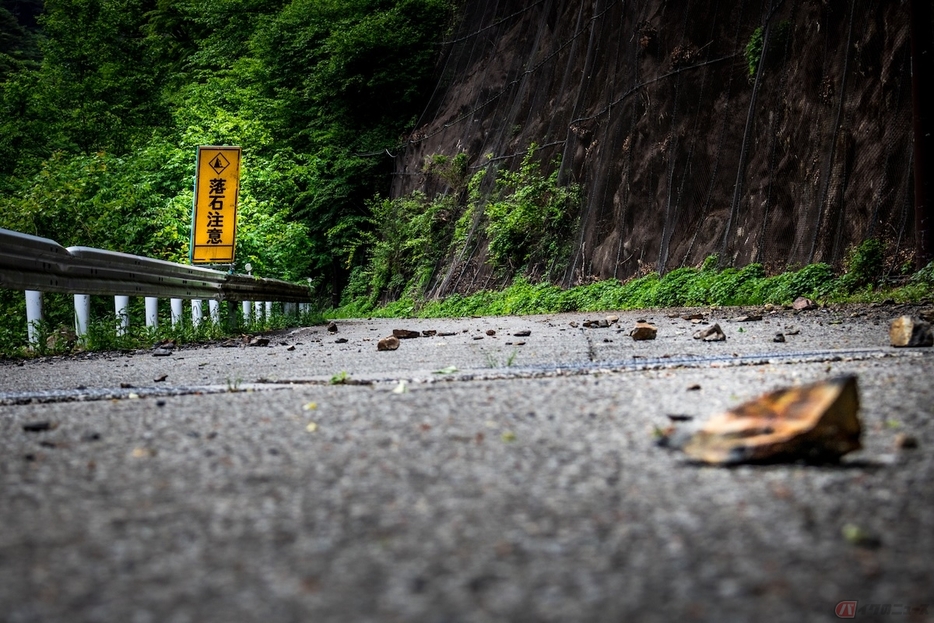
(214, 306)
(33, 315)
(258, 311)
(82, 314)
(122, 308)
(268, 311)
(152, 312)
(246, 305)
(196, 313)
(176, 311)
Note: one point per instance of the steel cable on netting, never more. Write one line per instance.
(726, 246)
(723, 132)
(828, 168)
(470, 113)
(581, 94)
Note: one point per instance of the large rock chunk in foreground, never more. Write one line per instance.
(906, 331)
(816, 422)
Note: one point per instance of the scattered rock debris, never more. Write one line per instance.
(38, 427)
(779, 337)
(388, 343)
(803, 303)
(906, 331)
(522, 333)
(259, 341)
(596, 324)
(332, 327)
(405, 334)
(643, 331)
(817, 423)
(341, 340)
(906, 442)
(713, 333)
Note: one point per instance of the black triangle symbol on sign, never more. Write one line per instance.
(219, 163)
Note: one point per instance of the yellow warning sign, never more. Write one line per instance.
(214, 218)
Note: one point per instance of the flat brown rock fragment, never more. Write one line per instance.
(816, 422)
(643, 331)
(405, 334)
(802, 303)
(905, 331)
(388, 343)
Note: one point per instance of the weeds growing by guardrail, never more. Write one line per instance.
(56, 335)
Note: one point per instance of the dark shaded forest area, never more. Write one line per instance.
(103, 103)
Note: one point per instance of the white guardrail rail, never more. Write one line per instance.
(37, 265)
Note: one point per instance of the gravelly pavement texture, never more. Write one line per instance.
(525, 486)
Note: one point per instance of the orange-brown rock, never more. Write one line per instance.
(816, 422)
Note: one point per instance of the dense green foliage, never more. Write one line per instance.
(103, 103)
(526, 219)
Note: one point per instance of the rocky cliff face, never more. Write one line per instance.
(687, 141)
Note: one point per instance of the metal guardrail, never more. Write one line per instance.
(38, 265)
(33, 263)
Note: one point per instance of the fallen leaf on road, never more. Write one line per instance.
(312, 427)
(309, 406)
(508, 436)
(816, 422)
(447, 370)
(143, 453)
(860, 537)
(401, 388)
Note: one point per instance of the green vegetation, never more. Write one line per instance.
(104, 102)
(684, 287)
(528, 220)
(754, 51)
(56, 335)
(778, 42)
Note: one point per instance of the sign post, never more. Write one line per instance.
(214, 216)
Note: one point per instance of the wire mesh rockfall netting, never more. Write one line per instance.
(772, 131)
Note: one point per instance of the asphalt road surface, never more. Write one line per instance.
(465, 477)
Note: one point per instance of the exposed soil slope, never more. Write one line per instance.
(683, 152)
